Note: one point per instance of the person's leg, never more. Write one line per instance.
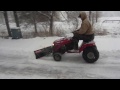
(75, 44)
(76, 39)
(88, 38)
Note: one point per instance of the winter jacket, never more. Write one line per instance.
(86, 27)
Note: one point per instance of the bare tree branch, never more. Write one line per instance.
(44, 14)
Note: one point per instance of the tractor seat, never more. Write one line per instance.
(88, 42)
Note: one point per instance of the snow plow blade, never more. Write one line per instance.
(43, 52)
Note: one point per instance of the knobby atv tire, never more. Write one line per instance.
(94, 51)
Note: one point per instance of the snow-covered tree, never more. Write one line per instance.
(61, 15)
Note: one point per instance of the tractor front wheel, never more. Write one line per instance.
(57, 56)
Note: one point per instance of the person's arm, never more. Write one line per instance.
(83, 29)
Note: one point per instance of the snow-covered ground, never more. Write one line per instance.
(17, 60)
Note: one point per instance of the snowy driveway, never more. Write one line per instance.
(17, 61)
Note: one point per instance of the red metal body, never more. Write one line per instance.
(85, 45)
(61, 42)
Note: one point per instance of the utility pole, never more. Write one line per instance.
(34, 21)
(90, 15)
(51, 23)
(16, 18)
(17, 21)
(97, 16)
(7, 22)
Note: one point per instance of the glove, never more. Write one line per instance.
(74, 32)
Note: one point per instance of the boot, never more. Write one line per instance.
(75, 50)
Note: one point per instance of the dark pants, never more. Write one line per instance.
(85, 38)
